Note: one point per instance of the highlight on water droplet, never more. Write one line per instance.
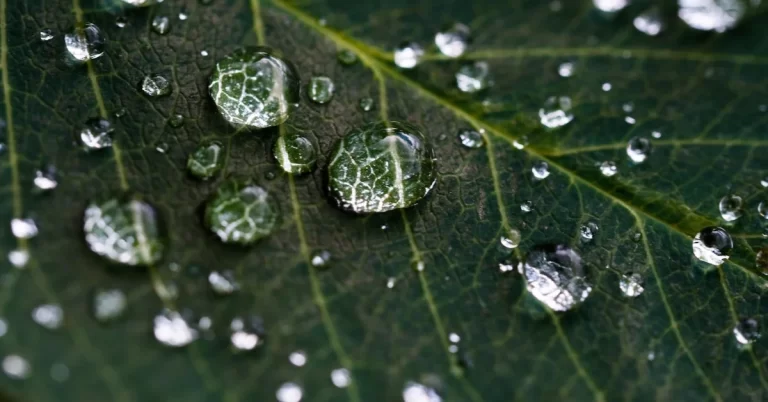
(511, 239)
(566, 69)
(453, 40)
(649, 22)
(46, 34)
(556, 112)
(23, 228)
(18, 258)
(161, 24)
(747, 331)
(289, 392)
(347, 57)
(320, 89)
(321, 259)
(473, 77)
(241, 212)
(341, 377)
(86, 42)
(731, 207)
(631, 284)
(96, 134)
(588, 231)
(16, 367)
(366, 104)
(246, 333)
(298, 358)
(295, 153)
(638, 149)
(416, 392)
(155, 85)
(711, 15)
(610, 6)
(171, 329)
(555, 276)
(408, 55)
(108, 304)
(45, 179)
(608, 168)
(207, 160)
(418, 265)
(712, 245)
(526, 206)
(50, 316)
(762, 209)
(471, 138)
(223, 283)
(540, 170)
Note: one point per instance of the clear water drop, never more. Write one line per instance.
(606, 87)
(731, 207)
(471, 138)
(764, 182)
(520, 143)
(162, 147)
(588, 231)
(415, 392)
(526, 206)
(50, 316)
(391, 281)
(141, 3)
(418, 265)
(712, 245)
(223, 283)
(96, 134)
(321, 259)
(408, 55)
(204, 53)
(747, 331)
(473, 77)
(161, 24)
(610, 6)
(183, 16)
(454, 337)
(631, 284)
(18, 258)
(341, 377)
(121, 22)
(762, 209)
(556, 112)
(656, 134)
(109, 304)
(16, 367)
(298, 358)
(454, 40)
(45, 179)
(295, 153)
(289, 392)
(608, 168)
(171, 329)
(555, 276)
(155, 85)
(23, 228)
(241, 212)
(347, 57)
(85, 43)
(46, 34)
(176, 121)
(255, 87)
(649, 22)
(321, 89)
(246, 333)
(711, 15)
(511, 239)
(540, 170)
(566, 69)
(366, 104)
(206, 160)
(638, 149)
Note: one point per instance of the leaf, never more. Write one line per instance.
(704, 92)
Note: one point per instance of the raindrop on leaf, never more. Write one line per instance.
(712, 245)
(161, 25)
(556, 112)
(50, 316)
(241, 212)
(511, 239)
(731, 207)
(223, 283)
(366, 104)
(85, 43)
(109, 304)
(96, 134)
(555, 276)
(295, 153)
(408, 55)
(155, 85)
(289, 392)
(207, 160)
(321, 89)
(631, 284)
(638, 149)
(608, 168)
(747, 331)
(473, 77)
(454, 40)
(171, 329)
(471, 138)
(540, 170)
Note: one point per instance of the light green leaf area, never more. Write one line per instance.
(704, 92)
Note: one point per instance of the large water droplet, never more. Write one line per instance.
(471, 138)
(415, 392)
(610, 6)
(23, 228)
(50, 316)
(16, 367)
(289, 392)
(453, 41)
(109, 304)
(171, 329)
(408, 55)
(347, 57)
(747, 331)
(526, 206)
(85, 43)
(711, 15)
(731, 207)
(223, 283)
(246, 333)
(321, 89)
(473, 77)
(155, 85)
(649, 22)
(631, 284)
(241, 212)
(255, 87)
(125, 231)
(380, 167)
(638, 149)
(207, 160)
(556, 112)
(712, 245)
(540, 170)
(96, 134)
(341, 377)
(511, 239)
(608, 168)
(161, 24)
(295, 153)
(555, 276)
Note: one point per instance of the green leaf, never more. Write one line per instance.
(369, 311)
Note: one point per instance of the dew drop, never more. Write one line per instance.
(608, 168)
(711, 15)
(18, 258)
(141, 3)
(556, 112)
(45, 179)
(183, 16)
(473, 77)
(520, 143)
(298, 358)
(391, 281)
(649, 22)
(321, 89)
(161, 24)
(526, 206)
(85, 43)
(289, 392)
(109, 304)
(762, 209)
(347, 57)
(121, 22)
(246, 333)
(747, 331)
(46, 34)
(25, 228)
(731, 207)
(712, 245)
(255, 87)
(610, 6)
(471, 138)
(162, 147)
(204, 53)
(588, 231)
(155, 85)
(540, 170)
(295, 153)
(124, 231)
(321, 259)
(341, 377)
(223, 283)
(16, 367)
(566, 69)
(96, 134)
(638, 149)
(606, 87)
(511, 239)
(241, 213)
(176, 121)
(631, 284)
(50, 316)
(408, 55)
(366, 104)
(206, 160)
(415, 392)
(454, 337)
(454, 40)
(554, 275)
(764, 182)
(418, 266)
(171, 329)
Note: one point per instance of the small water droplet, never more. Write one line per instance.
(408, 55)
(321, 259)
(241, 212)
(540, 170)
(656, 134)
(415, 392)
(162, 147)
(747, 331)
(50, 316)
(321, 89)
(762, 209)
(246, 333)
(207, 160)
(161, 24)
(610, 6)
(85, 43)
(638, 149)
(109, 304)
(59, 372)
(16, 367)
(555, 276)
(556, 112)
(566, 69)
(347, 57)
(341, 377)
(511, 239)
(270, 175)
(176, 121)
(454, 337)
(45, 179)
(96, 134)
(289, 392)
(630, 120)
(418, 266)
(526, 206)
(366, 104)
(608, 168)
(631, 284)
(711, 15)
(712, 245)
(120, 112)
(25, 228)
(204, 53)
(183, 16)
(295, 153)
(46, 34)
(171, 329)
(454, 40)
(471, 138)
(223, 283)
(298, 358)
(121, 22)
(607, 87)
(18, 258)
(391, 282)
(520, 143)
(588, 231)
(473, 77)
(649, 22)
(155, 85)
(731, 207)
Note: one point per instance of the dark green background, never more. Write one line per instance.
(701, 90)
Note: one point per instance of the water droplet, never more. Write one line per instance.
(471, 138)
(23, 228)
(85, 43)
(731, 207)
(408, 55)
(638, 149)
(556, 112)
(454, 337)
(96, 134)
(656, 134)
(289, 392)
(511, 239)
(526, 206)
(16, 367)
(631, 284)
(711, 15)
(761, 260)
(520, 143)
(141, 3)
(204, 53)
(321, 259)
(18, 258)
(246, 333)
(712, 245)
(762, 209)
(45, 179)
(241, 212)
(46, 34)
(121, 112)
(162, 147)
(347, 57)
(161, 24)
(381, 167)
(125, 231)
(540, 170)
(610, 6)
(109, 304)
(747, 331)
(171, 329)
(341, 377)
(59, 372)
(554, 275)
(49, 316)
(176, 121)
(3, 327)
(270, 175)
(321, 89)
(473, 77)
(391, 282)
(155, 85)
(649, 22)
(366, 104)
(121, 22)
(453, 41)
(298, 358)
(295, 153)
(207, 160)
(415, 392)
(223, 283)
(418, 265)
(255, 87)
(566, 69)
(588, 231)
(608, 168)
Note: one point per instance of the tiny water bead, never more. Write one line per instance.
(609, 168)
(45, 179)
(712, 245)
(649, 22)
(16, 367)
(762, 209)
(155, 85)
(162, 147)
(711, 15)
(161, 24)
(473, 77)
(731, 207)
(540, 170)
(125, 231)
(526, 206)
(23, 228)
(176, 121)
(556, 112)
(46, 34)
(85, 43)
(247, 333)
(366, 104)
(298, 358)
(96, 134)
(295, 153)
(638, 149)
(555, 276)
(121, 22)
(454, 40)
(631, 284)
(381, 167)
(321, 259)
(566, 69)
(207, 160)
(50, 316)
(408, 55)
(223, 283)
(347, 57)
(289, 392)
(341, 377)
(511, 239)
(471, 138)
(241, 212)
(171, 329)
(747, 331)
(418, 265)
(255, 87)
(415, 392)
(321, 89)
(588, 231)
(109, 304)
